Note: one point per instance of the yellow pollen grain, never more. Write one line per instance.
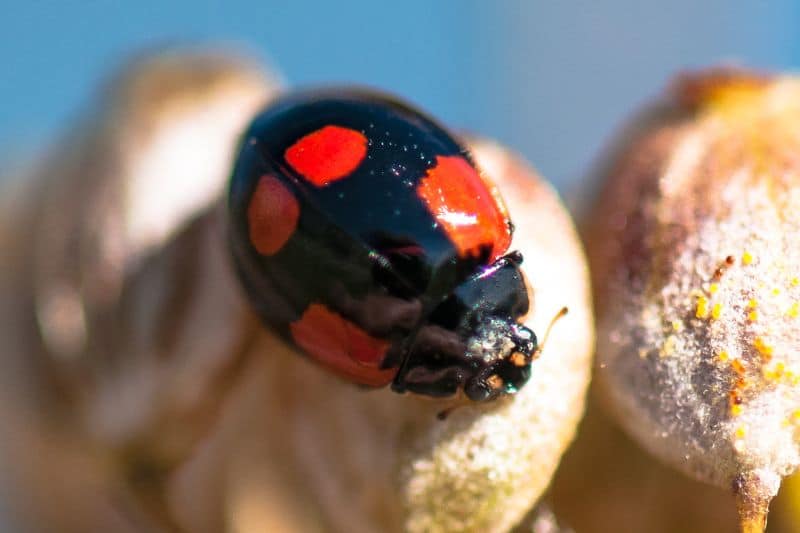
(747, 258)
(794, 282)
(723, 356)
(776, 291)
(752, 316)
(669, 346)
(794, 310)
(736, 410)
(713, 288)
(753, 303)
(740, 432)
(716, 311)
(762, 347)
(796, 415)
(702, 307)
(677, 325)
(775, 372)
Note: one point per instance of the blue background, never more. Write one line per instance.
(551, 79)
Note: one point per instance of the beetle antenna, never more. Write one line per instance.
(561, 313)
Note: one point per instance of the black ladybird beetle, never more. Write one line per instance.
(364, 234)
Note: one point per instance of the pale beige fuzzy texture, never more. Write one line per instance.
(83, 373)
(185, 412)
(695, 250)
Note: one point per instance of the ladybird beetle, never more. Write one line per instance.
(364, 234)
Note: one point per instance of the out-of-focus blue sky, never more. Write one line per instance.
(551, 79)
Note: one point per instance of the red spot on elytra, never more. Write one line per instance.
(271, 215)
(472, 215)
(342, 346)
(328, 154)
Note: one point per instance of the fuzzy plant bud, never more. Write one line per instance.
(695, 249)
